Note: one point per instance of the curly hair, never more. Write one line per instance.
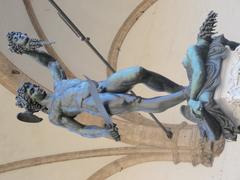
(30, 44)
(13, 47)
(24, 101)
(208, 27)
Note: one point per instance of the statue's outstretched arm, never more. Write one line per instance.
(89, 131)
(48, 61)
(21, 43)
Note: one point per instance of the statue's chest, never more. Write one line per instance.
(71, 97)
(69, 102)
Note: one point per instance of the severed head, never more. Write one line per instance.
(28, 97)
(17, 41)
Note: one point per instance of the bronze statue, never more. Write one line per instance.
(109, 97)
(203, 64)
(73, 96)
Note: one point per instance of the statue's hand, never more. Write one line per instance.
(196, 107)
(113, 131)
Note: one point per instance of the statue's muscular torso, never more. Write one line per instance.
(68, 96)
(72, 97)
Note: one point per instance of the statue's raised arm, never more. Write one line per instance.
(20, 43)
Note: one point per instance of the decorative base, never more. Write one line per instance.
(227, 95)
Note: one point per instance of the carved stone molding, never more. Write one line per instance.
(186, 146)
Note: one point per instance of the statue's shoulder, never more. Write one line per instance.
(66, 83)
(192, 50)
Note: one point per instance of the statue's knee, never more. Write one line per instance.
(139, 71)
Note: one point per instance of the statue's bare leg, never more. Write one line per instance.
(120, 103)
(161, 103)
(123, 80)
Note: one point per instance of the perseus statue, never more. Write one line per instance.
(71, 97)
(203, 63)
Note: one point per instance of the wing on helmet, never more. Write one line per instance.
(28, 117)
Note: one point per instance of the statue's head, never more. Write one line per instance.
(17, 41)
(17, 37)
(28, 97)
